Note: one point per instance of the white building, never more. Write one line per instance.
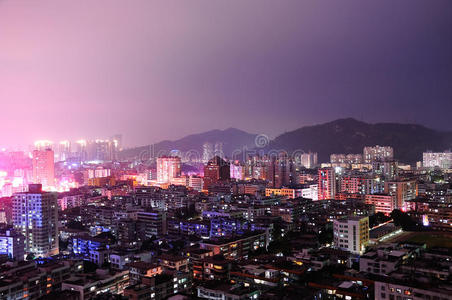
(351, 234)
(442, 160)
(227, 292)
(404, 286)
(311, 192)
(207, 152)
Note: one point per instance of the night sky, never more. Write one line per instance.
(155, 70)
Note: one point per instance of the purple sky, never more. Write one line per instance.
(154, 70)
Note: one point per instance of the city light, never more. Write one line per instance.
(214, 150)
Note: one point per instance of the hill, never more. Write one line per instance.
(233, 139)
(351, 136)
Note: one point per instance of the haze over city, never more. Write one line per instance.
(225, 150)
(155, 70)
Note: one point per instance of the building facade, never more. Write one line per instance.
(351, 234)
(326, 184)
(168, 168)
(35, 215)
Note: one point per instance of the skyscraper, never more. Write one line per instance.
(101, 150)
(43, 145)
(35, 215)
(216, 170)
(402, 190)
(63, 150)
(168, 168)
(279, 171)
(117, 140)
(219, 149)
(80, 150)
(44, 167)
(207, 152)
(327, 184)
(237, 171)
(308, 160)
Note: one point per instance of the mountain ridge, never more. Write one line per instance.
(232, 139)
(346, 135)
(351, 136)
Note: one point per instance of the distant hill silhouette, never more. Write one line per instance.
(351, 136)
(339, 136)
(231, 138)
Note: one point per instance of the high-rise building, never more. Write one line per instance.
(219, 149)
(80, 150)
(402, 190)
(117, 141)
(351, 184)
(279, 172)
(257, 167)
(237, 171)
(101, 150)
(376, 153)
(308, 160)
(216, 170)
(441, 160)
(346, 158)
(373, 185)
(35, 215)
(351, 234)
(168, 168)
(43, 145)
(44, 168)
(389, 168)
(207, 152)
(63, 151)
(154, 222)
(327, 184)
(383, 203)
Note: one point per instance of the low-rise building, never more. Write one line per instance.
(12, 244)
(102, 282)
(239, 247)
(222, 291)
(173, 262)
(141, 269)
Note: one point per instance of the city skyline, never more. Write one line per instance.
(225, 150)
(30, 145)
(131, 69)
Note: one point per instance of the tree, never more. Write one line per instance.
(75, 225)
(148, 244)
(326, 236)
(378, 218)
(63, 244)
(89, 267)
(404, 220)
(107, 235)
